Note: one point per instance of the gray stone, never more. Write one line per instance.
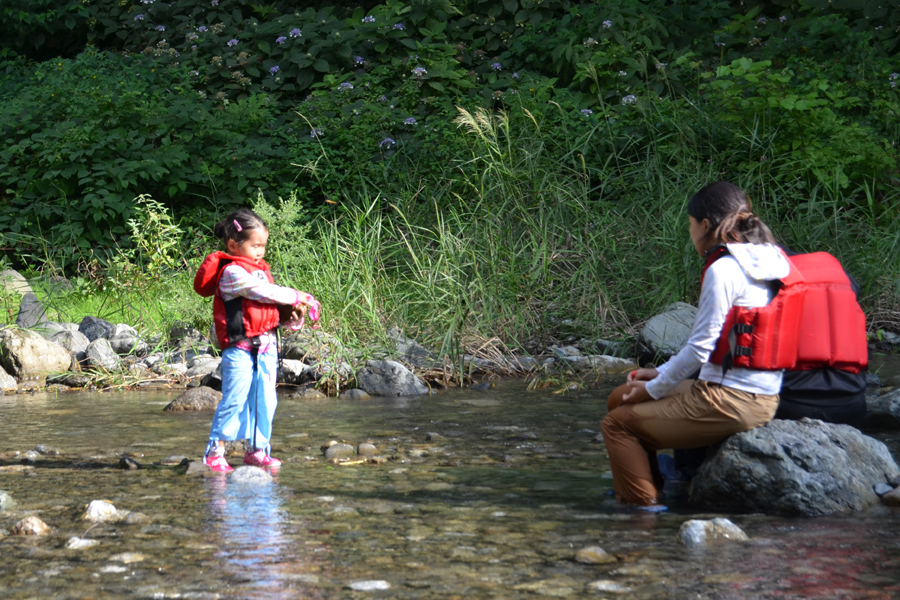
(802, 467)
(340, 450)
(7, 381)
(309, 345)
(200, 398)
(612, 348)
(94, 328)
(697, 532)
(30, 526)
(13, 281)
(389, 378)
(308, 393)
(46, 450)
(77, 543)
(248, 475)
(75, 380)
(196, 468)
(200, 366)
(601, 364)
(292, 371)
(355, 394)
(100, 355)
(882, 488)
(367, 449)
(125, 340)
(26, 354)
(594, 555)
(31, 312)
(882, 412)
(374, 585)
(411, 350)
(668, 332)
(524, 363)
(176, 369)
(566, 351)
(6, 501)
(128, 464)
(184, 335)
(73, 341)
(318, 370)
(50, 328)
(99, 511)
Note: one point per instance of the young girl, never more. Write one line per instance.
(247, 308)
(661, 408)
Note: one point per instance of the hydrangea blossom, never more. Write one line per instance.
(369, 19)
(515, 75)
(314, 133)
(232, 42)
(587, 112)
(629, 99)
(160, 27)
(607, 24)
(202, 29)
(280, 40)
(359, 60)
(661, 65)
(590, 42)
(497, 66)
(346, 86)
(295, 33)
(382, 99)
(409, 121)
(761, 20)
(419, 71)
(138, 17)
(893, 76)
(399, 26)
(386, 142)
(783, 19)
(274, 69)
(623, 73)
(215, 2)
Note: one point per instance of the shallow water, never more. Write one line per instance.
(495, 506)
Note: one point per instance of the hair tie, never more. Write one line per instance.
(237, 225)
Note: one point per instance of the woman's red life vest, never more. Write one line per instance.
(813, 321)
(240, 318)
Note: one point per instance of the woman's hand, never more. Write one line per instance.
(637, 392)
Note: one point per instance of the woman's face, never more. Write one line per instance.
(699, 231)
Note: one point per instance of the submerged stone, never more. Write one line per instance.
(30, 526)
(99, 511)
(697, 532)
(200, 398)
(594, 555)
(249, 475)
(373, 585)
(77, 543)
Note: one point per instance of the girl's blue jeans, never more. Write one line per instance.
(248, 398)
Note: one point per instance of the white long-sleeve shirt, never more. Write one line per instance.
(741, 278)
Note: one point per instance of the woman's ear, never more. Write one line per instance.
(706, 226)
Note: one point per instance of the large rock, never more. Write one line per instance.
(125, 340)
(7, 381)
(100, 355)
(200, 398)
(26, 354)
(94, 328)
(73, 341)
(411, 350)
(31, 312)
(668, 332)
(599, 363)
(12, 281)
(802, 467)
(882, 412)
(389, 378)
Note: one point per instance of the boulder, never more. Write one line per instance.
(13, 281)
(882, 412)
(94, 328)
(125, 340)
(7, 381)
(609, 365)
(100, 355)
(389, 378)
(25, 354)
(73, 341)
(31, 312)
(805, 467)
(667, 333)
(200, 398)
(411, 350)
(698, 532)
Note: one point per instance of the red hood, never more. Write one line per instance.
(207, 278)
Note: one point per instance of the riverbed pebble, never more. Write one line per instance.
(46, 450)
(99, 511)
(372, 585)
(697, 532)
(128, 557)
(77, 543)
(249, 475)
(340, 450)
(607, 585)
(200, 398)
(594, 555)
(30, 526)
(367, 449)
(355, 394)
(6, 501)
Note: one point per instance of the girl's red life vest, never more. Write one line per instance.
(813, 321)
(240, 318)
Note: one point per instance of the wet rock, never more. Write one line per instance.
(409, 349)
(77, 543)
(6, 501)
(200, 398)
(128, 557)
(308, 394)
(196, 468)
(667, 333)
(7, 381)
(99, 511)
(75, 380)
(25, 354)
(355, 394)
(30, 526)
(882, 412)
(367, 449)
(697, 532)
(73, 341)
(482, 386)
(594, 555)
(94, 328)
(431, 436)
(177, 459)
(607, 585)
(13, 281)
(524, 363)
(250, 476)
(292, 371)
(100, 355)
(31, 312)
(373, 585)
(611, 348)
(882, 488)
(340, 450)
(128, 464)
(125, 340)
(389, 378)
(802, 467)
(46, 450)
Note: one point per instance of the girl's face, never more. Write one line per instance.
(699, 231)
(254, 247)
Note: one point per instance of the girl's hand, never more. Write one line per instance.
(637, 392)
(642, 375)
(306, 305)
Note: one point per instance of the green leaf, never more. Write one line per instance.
(409, 43)
(435, 85)
(321, 65)
(511, 5)
(264, 46)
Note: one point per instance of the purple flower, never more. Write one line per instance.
(761, 20)
(232, 42)
(419, 71)
(409, 121)
(893, 76)
(783, 19)
(386, 143)
(346, 86)
(399, 26)
(295, 33)
(138, 17)
(359, 60)
(280, 40)
(623, 73)
(314, 133)
(215, 2)
(382, 99)
(274, 69)
(607, 24)
(202, 29)
(369, 19)
(160, 27)
(515, 75)
(629, 99)
(893, 84)
(587, 112)
(497, 66)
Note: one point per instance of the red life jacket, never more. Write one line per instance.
(240, 318)
(813, 321)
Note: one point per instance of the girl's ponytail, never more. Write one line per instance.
(730, 215)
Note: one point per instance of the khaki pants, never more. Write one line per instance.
(696, 413)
